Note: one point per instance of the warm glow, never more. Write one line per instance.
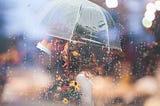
(111, 3)
(149, 15)
(146, 23)
(157, 4)
(151, 7)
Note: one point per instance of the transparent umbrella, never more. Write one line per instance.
(77, 20)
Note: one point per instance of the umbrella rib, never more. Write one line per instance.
(77, 18)
(56, 36)
(105, 22)
(91, 40)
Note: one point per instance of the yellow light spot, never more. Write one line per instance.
(146, 23)
(75, 53)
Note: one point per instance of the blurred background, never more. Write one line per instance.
(40, 69)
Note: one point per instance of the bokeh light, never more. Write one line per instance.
(146, 23)
(151, 7)
(157, 5)
(149, 15)
(111, 3)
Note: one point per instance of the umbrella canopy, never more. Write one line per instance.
(77, 20)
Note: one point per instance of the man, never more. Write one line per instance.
(50, 53)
